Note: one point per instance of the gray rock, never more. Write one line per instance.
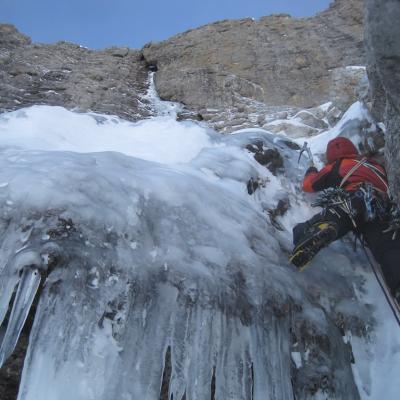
(346, 84)
(242, 66)
(382, 33)
(118, 51)
(276, 60)
(333, 115)
(308, 118)
(251, 115)
(290, 128)
(10, 37)
(10, 374)
(112, 81)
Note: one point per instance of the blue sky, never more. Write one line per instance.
(102, 23)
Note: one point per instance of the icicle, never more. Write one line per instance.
(26, 292)
(7, 287)
(24, 272)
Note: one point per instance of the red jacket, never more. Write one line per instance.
(332, 175)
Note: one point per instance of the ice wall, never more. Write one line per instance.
(149, 263)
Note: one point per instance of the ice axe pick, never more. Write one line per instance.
(306, 149)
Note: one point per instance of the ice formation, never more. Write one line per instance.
(158, 270)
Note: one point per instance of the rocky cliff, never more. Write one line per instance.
(383, 50)
(236, 66)
(276, 60)
(110, 81)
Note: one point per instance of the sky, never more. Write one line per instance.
(103, 23)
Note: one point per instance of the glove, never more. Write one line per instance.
(310, 169)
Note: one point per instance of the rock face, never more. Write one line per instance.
(10, 373)
(276, 60)
(112, 81)
(346, 83)
(225, 73)
(382, 33)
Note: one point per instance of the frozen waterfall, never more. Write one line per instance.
(156, 271)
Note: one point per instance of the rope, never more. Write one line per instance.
(378, 275)
(364, 162)
(378, 174)
(358, 164)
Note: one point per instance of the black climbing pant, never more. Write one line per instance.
(385, 250)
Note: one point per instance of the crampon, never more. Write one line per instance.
(320, 236)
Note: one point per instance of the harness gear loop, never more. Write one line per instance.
(331, 198)
(373, 202)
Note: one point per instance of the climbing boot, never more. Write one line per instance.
(319, 235)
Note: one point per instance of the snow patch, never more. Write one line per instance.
(296, 358)
(160, 139)
(357, 112)
(356, 67)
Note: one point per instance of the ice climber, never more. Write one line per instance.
(357, 200)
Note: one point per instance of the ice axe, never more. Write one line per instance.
(306, 149)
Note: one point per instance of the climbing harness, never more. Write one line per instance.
(332, 198)
(375, 205)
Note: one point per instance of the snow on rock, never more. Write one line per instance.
(159, 267)
(353, 125)
(293, 127)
